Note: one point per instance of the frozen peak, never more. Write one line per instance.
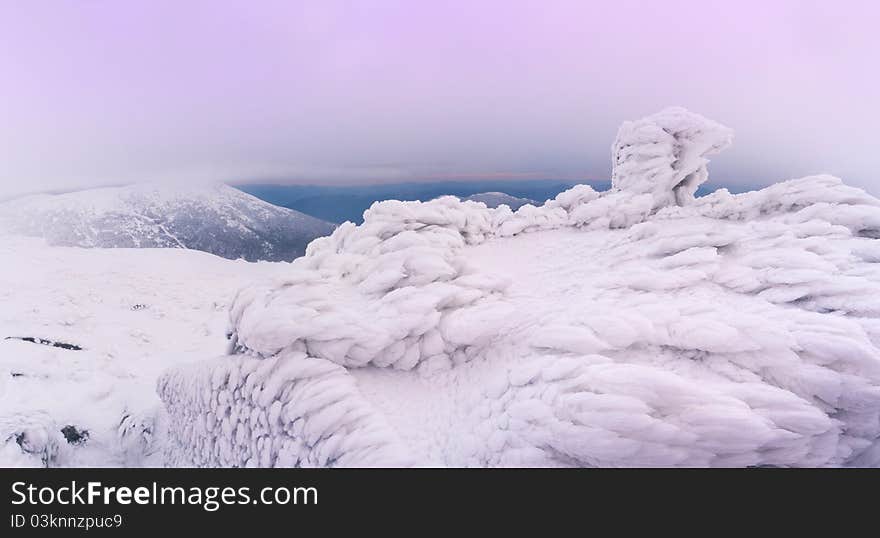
(665, 154)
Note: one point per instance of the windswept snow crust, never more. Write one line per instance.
(85, 333)
(638, 326)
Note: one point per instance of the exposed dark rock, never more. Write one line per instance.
(43, 341)
(75, 436)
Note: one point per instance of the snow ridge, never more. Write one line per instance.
(212, 218)
(639, 326)
(495, 199)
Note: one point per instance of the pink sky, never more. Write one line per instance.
(98, 91)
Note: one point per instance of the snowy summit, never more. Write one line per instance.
(212, 218)
(638, 326)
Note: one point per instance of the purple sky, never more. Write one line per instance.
(95, 91)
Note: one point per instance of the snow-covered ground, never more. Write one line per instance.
(637, 326)
(134, 313)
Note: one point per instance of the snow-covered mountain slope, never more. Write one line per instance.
(638, 326)
(216, 219)
(495, 199)
(132, 313)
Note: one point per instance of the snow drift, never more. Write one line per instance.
(638, 326)
(84, 334)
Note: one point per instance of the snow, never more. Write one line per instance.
(134, 313)
(665, 154)
(640, 326)
(635, 327)
(213, 218)
(293, 411)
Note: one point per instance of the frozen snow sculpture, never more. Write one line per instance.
(292, 411)
(638, 326)
(665, 154)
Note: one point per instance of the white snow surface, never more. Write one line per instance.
(635, 327)
(134, 313)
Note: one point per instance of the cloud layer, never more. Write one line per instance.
(106, 92)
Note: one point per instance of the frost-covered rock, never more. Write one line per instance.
(665, 155)
(293, 411)
(638, 326)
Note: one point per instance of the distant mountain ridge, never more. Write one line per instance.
(495, 199)
(215, 218)
(347, 203)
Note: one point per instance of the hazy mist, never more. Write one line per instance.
(104, 92)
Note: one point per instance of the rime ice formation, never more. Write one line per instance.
(212, 218)
(256, 407)
(635, 327)
(664, 155)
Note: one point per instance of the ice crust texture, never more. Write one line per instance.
(636, 327)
